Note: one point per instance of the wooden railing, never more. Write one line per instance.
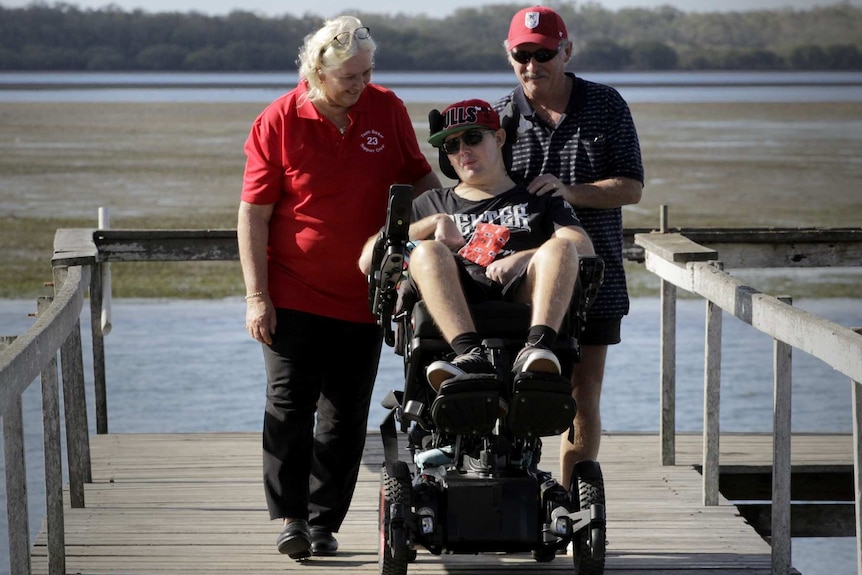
(79, 255)
(28, 357)
(674, 255)
(681, 262)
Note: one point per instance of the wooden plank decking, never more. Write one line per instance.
(191, 504)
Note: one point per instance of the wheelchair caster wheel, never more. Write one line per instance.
(588, 492)
(394, 553)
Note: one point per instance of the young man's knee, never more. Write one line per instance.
(427, 249)
(558, 252)
(430, 257)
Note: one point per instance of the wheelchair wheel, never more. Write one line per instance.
(588, 544)
(394, 552)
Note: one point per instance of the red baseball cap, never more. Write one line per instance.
(537, 25)
(464, 116)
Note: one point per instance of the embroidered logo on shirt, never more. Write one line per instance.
(372, 141)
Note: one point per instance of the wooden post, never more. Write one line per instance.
(16, 483)
(53, 461)
(99, 381)
(100, 326)
(104, 269)
(781, 463)
(712, 401)
(75, 407)
(667, 353)
(856, 387)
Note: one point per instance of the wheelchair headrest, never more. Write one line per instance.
(510, 117)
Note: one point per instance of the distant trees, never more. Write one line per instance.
(64, 37)
(832, 57)
(653, 55)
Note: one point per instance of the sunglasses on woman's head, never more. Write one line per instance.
(343, 38)
(470, 138)
(541, 56)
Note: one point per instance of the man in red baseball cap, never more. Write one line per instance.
(578, 141)
(537, 25)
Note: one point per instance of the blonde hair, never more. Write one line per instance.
(320, 51)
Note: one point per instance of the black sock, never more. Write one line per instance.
(541, 336)
(465, 342)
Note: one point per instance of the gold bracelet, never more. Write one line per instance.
(255, 294)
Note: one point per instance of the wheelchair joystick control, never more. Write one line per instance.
(387, 265)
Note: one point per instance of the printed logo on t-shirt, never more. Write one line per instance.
(516, 218)
(372, 141)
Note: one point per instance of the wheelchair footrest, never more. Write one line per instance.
(467, 404)
(541, 405)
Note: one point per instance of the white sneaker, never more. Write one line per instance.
(473, 361)
(536, 360)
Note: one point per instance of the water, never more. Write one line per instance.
(636, 87)
(189, 366)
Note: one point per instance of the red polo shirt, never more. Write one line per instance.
(330, 192)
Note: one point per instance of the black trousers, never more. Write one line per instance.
(320, 375)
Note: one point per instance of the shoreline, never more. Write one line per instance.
(179, 166)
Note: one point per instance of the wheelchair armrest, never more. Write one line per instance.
(387, 263)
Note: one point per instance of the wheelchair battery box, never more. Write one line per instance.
(491, 513)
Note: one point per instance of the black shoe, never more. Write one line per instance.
(536, 360)
(295, 540)
(474, 361)
(323, 544)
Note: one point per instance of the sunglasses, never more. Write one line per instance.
(541, 56)
(470, 138)
(343, 38)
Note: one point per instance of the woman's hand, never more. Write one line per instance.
(260, 318)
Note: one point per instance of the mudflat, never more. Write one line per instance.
(180, 166)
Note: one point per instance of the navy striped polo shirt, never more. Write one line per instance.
(595, 140)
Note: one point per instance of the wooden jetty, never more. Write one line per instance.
(190, 504)
(193, 504)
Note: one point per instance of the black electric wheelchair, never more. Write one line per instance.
(474, 485)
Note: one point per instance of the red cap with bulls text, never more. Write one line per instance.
(465, 115)
(537, 25)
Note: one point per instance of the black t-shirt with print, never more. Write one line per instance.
(531, 219)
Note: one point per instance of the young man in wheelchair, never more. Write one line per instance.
(489, 239)
(492, 385)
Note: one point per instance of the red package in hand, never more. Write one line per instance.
(486, 242)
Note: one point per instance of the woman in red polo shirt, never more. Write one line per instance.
(320, 160)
